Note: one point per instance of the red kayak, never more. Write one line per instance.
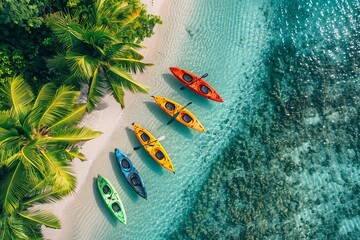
(196, 83)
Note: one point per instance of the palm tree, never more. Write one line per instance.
(37, 137)
(18, 218)
(93, 54)
(40, 133)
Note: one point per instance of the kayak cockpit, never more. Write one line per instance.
(135, 180)
(186, 118)
(169, 106)
(145, 137)
(205, 89)
(125, 163)
(106, 189)
(159, 155)
(187, 77)
(116, 207)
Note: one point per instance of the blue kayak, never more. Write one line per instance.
(130, 173)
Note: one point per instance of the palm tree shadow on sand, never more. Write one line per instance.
(121, 179)
(143, 155)
(102, 206)
(186, 93)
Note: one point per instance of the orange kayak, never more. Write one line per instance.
(155, 149)
(196, 84)
(185, 117)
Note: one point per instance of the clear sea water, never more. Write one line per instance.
(280, 158)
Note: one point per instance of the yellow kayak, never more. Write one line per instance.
(185, 117)
(153, 147)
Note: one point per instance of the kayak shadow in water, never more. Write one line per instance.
(121, 179)
(165, 118)
(187, 93)
(143, 154)
(102, 205)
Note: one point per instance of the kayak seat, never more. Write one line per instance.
(159, 155)
(115, 206)
(125, 163)
(204, 89)
(186, 118)
(135, 180)
(106, 189)
(169, 106)
(144, 137)
(187, 77)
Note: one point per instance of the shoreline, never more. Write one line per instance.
(102, 119)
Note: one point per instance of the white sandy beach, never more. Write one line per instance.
(105, 118)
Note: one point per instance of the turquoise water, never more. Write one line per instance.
(280, 158)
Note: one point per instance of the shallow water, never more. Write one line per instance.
(280, 156)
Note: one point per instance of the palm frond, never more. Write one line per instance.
(131, 17)
(97, 90)
(58, 63)
(42, 217)
(82, 66)
(74, 153)
(131, 65)
(43, 194)
(13, 227)
(117, 92)
(18, 94)
(73, 118)
(59, 107)
(125, 80)
(8, 135)
(14, 186)
(45, 95)
(6, 120)
(29, 156)
(64, 178)
(59, 23)
(73, 135)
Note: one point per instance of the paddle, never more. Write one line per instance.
(177, 114)
(203, 76)
(159, 139)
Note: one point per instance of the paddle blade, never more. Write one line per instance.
(138, 147)
(173, 118)
(161, 138)
(204, 76)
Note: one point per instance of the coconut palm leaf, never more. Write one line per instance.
(7, 159)
(60, 106)
(117, 92)
(31, 159)
(64, 178)
(82, 66)
(107, 14)
(42, 217)
(74, 152)
(74, 117)
(131, 65)
(97, 89)
(43, 194)
(125, 80)
(59, 23)
(45, 95)
(73, 135)
(12, 227)
(8, 136)
(131, 17)
(6, 120)
(18, 94)
(14, 185)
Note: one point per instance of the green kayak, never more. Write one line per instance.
(111, 198)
